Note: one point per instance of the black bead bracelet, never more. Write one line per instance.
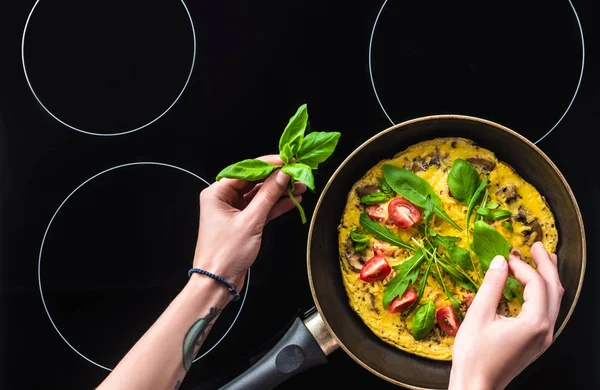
(231, 287)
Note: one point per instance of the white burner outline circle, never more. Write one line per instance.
(247, 285)
(549, 131)
(109, 134)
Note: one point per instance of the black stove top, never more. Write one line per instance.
(115, 115)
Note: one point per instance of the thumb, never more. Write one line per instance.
(268, 195)
(486, 300)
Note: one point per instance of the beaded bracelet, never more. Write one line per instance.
(231, 287)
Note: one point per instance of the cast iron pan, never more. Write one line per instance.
(335, 324)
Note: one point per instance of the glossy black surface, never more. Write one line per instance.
(256, 62)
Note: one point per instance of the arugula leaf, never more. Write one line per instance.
(251, 170)
(360, 239)
(508, 226)
(462, 257)
(300, 172)
(511, 290)
(487, 244)
(458, 277)
(385, 187)
(317, 147)
(286, 153)
(408, 272)
(382, 232)
(463, 180)
(456, 306)
(474, 200)
(420, 290)
(294, 131)
(376, 197)
(415, 189)
(445, 241)
(423, 320)
(428, 213)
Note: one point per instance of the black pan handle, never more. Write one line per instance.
(306, 344)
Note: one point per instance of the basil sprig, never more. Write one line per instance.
(487, 244)
(416, 189)
(301, 156)
(361, 241)
(423, 320)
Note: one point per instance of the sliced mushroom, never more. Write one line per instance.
(419, 165)
(367, 189)
(483, 163)
(355, 262)
(503, 308)
(372, 298)
(435, 157)
(508, 193)
(522, 215)
(534, 233)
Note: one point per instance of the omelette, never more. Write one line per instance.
(381, 234)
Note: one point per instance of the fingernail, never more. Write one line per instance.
(498, 262)
(281, 178)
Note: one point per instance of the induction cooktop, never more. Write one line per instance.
(114, 115)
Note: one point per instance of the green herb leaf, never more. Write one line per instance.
(484, 212)
(456, 307)
(512, 291)
(428, 213)
(360, 239)
(458, 277)
(415, 189)
(286, 153)
(487, 244)
(492, 205)
(445, 241)
(463, 180)
(462, 257)
(385, 188)
(474, 201)
(508, 226)
(376, 197)
(421, 289)
(251, 170)
(382, 232)
(408, 272)
(501, 214)
(294, 131)
(317, 147)
(423, 320)
(300, 172)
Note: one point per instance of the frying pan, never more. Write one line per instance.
(334, 324)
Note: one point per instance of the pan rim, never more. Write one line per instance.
(434, 118)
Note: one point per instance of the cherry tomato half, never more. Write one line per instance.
(378, 213)
(447, 320)
(376, 268)
(403, 213)
(402, 303)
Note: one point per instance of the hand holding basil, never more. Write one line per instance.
(301, 155)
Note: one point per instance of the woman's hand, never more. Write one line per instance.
(490, 349)
(233, 214)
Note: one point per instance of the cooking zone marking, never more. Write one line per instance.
(541, 138)
(39, 276)
(108, 134)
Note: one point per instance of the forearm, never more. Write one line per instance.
(161, 358)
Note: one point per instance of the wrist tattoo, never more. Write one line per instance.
(196, 335)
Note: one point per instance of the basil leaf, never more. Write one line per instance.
(385, 187)
(474, 200)
(463, 180)
(428, 213)
(317, 147)
(286, 153)
(382, 232)
(484, 212)
(508, 226)
(423, 320)
(492, 205)
(408, 272)
(360, 239)
(511, 290)
(251, 170)
(501, 214)
(487, 244)
(294, 131)
(415, 189)
(462, 257)
(300, 172)
(376, 197)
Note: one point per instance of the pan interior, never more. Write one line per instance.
(325, 277)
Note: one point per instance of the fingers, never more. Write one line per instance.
(546, 266)
(535, 288)
(266, 197)
(299, 189)
(486, 300)
(243, 185)
(282, 206)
